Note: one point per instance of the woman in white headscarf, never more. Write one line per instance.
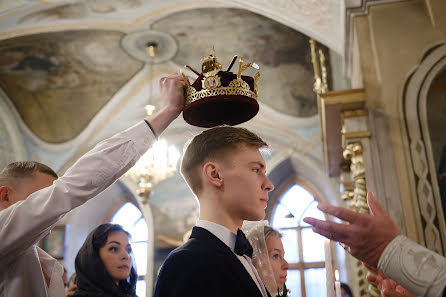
(268, 255)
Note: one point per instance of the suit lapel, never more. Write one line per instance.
(234, 266)
(240, 273)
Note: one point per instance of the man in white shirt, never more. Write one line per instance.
(225, 170)
(377, 241)
(32, 199)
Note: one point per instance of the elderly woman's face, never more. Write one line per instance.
(116, 256)
(276, 257)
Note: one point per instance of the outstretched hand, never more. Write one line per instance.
(364, 236)
(387, 286)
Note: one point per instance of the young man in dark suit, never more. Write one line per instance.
(225, 170)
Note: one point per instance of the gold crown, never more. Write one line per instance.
(212, 81)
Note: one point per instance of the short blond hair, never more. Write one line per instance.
(15, 172)
(212, 144)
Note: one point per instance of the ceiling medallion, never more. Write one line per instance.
(135, 44)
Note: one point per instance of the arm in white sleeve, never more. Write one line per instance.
(26, 222)
(416, 268)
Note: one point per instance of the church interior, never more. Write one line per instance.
(352, 97)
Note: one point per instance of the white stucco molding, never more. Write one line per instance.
(321, 20)
(354, 8)
(420, 161)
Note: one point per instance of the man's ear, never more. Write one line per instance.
(211, 172)
(4, 197)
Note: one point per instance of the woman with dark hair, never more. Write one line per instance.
(104, 264)
(345, 290)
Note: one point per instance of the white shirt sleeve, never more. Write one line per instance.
(26, 222)
(416, 268)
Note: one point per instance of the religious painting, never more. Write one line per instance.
(48, 76)
(54, 242)
(283, 54)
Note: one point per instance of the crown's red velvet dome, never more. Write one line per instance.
(231, 103)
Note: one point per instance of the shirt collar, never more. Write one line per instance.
(221, 232)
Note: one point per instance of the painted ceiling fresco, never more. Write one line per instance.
(80, 9)
(283, 54)
(59, 81)
(49, 75)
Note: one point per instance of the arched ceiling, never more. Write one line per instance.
(59, 81)
(63, 62)
(320, 19)
(60, 76)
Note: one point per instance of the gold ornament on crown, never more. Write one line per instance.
(212, 85)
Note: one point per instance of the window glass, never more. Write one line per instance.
(141, 288)
(287, 217)
(126, 216)
(311, 211)
(315, 282)
(139, 231)
(289, 241)
(312, 246)
(140, 252)
(293, 283)
(281, 218)
(296, 199)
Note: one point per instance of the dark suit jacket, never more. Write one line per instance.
(204, 266)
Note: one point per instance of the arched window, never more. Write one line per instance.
(132, 220)
(304, 249)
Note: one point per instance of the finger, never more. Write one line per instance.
(372, 279)
(326, 225)
(331, 230)
(339, 212)
(375, 208)
(389, 283)
(390, 293)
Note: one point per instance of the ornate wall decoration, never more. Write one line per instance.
(424, 173)
(357, 201)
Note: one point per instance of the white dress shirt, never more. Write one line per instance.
(24, 223)
(228, 238)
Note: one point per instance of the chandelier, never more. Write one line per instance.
(160, 161)
(157, 164)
